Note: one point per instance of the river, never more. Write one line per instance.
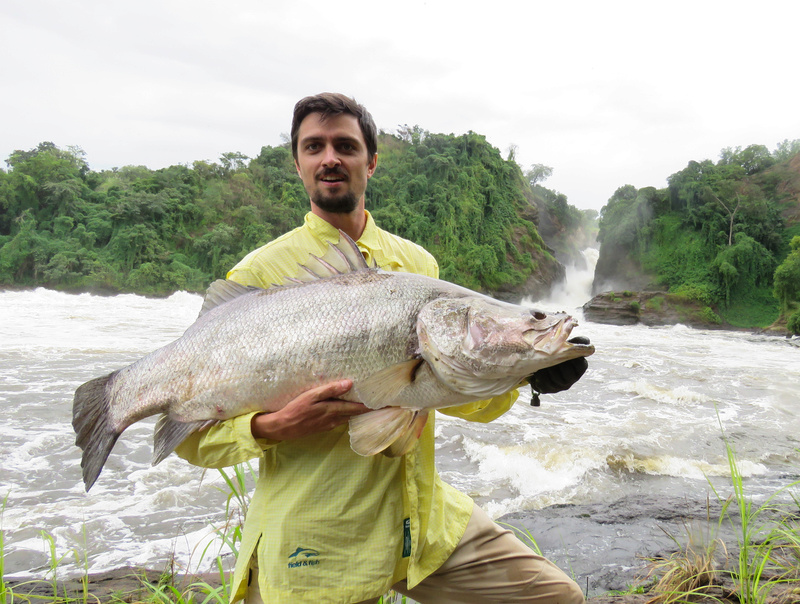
(647, 420)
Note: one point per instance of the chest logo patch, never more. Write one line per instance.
(303, 556)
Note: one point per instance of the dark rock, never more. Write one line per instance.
(652, 308)
(607, 546)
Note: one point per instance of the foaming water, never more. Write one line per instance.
(50, 343)
(652, 412)
(648, 416)
(573, 292)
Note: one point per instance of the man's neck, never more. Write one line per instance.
(352, 223)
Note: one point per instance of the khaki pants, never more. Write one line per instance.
(489, 566)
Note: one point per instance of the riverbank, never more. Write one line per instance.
(135, 586)
(609, 548)
(657, 309)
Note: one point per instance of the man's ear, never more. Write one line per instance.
(297, 167)
(373, 163)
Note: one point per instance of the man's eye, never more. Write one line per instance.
(312, 147)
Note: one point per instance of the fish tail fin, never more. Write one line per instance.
(391, 430)
(93, 430)
(169, 433)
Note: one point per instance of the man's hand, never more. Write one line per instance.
(558, 377)
(314, 411)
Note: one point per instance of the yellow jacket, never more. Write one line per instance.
(326, 524)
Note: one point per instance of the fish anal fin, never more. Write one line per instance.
(222, 291)
(169, 433)
(382, 388)
(376, 431)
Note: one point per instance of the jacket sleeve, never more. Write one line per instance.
(225, 444)
(483, 411)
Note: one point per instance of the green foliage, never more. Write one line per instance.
(655, 303)
(793, 324)
(787, 277)
(458, 198)
(716, 235)
(155, 231)
(786, 149)
(699, 292)
(742, 267)
(756, 309)
(709, 316)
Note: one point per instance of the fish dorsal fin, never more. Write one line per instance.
(341, 258)
(346, 256)
(222, 291)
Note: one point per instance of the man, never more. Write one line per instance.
(325, 524)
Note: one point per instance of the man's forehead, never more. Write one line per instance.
(342, 125)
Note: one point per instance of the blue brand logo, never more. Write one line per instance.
(303, 556)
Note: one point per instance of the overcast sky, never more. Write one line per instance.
(606, 93)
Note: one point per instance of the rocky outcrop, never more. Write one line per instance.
(650, 308)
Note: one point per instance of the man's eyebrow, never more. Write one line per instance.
(344, 138)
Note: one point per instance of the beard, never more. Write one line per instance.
(343, 203)
(338, 204)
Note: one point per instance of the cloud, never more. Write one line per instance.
(605, 93)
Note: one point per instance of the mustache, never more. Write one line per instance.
(335, 171)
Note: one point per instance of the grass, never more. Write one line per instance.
(766, 553)
(758, 309)
(692, 568)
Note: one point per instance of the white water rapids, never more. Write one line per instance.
(645, 418)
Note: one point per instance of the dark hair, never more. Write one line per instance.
(332, 103)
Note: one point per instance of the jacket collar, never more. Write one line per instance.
(327, 232)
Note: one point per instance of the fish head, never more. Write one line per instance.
(472, 342)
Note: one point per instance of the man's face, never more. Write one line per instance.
(333, 163)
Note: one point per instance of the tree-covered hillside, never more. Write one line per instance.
(719, 234)
(65, 226)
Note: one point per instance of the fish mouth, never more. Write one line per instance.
(553, 338)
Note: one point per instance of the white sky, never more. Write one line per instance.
(607, 93)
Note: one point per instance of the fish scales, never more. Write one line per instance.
(409, 343)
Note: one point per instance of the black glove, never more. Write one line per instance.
(558, 377)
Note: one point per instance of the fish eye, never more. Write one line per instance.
(539, 315)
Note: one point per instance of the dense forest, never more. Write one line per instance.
(134, 229)
(724, 234)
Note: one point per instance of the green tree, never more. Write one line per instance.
(787, 277)
(538, 173)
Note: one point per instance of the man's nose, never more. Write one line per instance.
(330, 158)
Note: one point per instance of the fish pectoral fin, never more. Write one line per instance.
(382, 388)
(379, 430)
(169, 433)
(408, 438)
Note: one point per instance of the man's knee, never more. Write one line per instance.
(571, 594)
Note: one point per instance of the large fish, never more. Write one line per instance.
(409, 343)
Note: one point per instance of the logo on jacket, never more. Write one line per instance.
(303, 556)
